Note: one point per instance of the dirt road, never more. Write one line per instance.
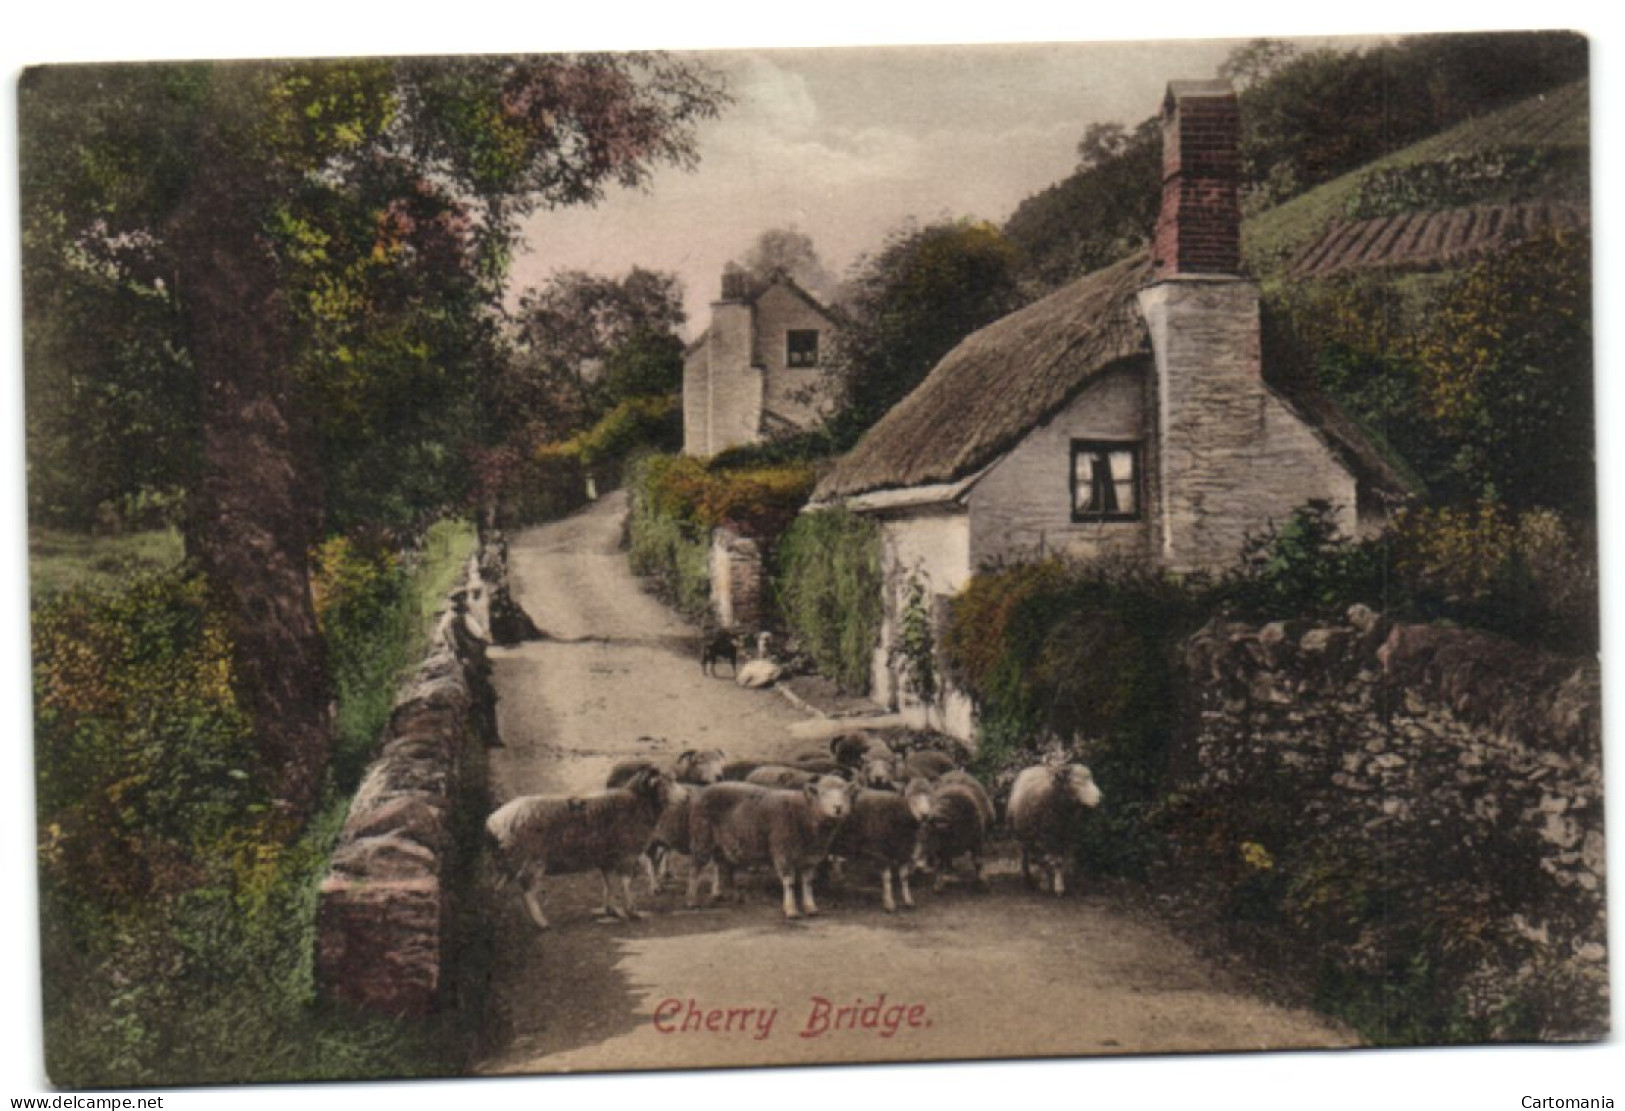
(965, 975)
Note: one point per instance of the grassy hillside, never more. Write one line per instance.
(1554, 127)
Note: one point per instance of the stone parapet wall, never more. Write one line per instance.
(385, 911)
(1385, 788)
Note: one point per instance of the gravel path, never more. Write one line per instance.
(993, 975)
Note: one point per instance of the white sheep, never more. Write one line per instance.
(535, 836)
(884, 827)
(735, 824)
(1046, 803)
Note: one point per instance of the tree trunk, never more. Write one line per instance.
(254, 515)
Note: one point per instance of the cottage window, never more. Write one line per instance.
(801, 348)
(1105, 481)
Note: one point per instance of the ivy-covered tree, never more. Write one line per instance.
(314, 243)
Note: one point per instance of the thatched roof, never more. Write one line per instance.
(1429, 240)
(1000, 382)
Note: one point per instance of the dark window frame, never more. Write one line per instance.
(1135, 448)
(790, 352)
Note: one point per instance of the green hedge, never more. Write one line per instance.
(827, 585)
(677, 500)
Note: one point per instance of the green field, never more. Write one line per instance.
(60, 560)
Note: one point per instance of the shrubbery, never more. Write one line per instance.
(1411, 929)
(828, 588)
(1082, 658)
(635, 424)
(145, 766)
(177, 904)
(1483, 177)
(677, 501)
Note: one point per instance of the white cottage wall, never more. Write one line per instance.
(933, 547)
(1022, 508)
(796, 396)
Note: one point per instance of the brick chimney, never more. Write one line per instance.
(1199, 226)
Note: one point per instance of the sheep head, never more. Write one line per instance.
(1077, 782)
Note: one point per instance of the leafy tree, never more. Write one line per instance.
(909, 305)
(297, 223)
(1310, 117)
(648, 364)
(1256, 61)
(584, 340)
(1104, 210)
(1506, 371)
(1306, 118)
(791, 253)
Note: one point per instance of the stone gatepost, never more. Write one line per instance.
(736, 579)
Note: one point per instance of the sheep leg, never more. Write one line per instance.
(698, 864)
(980, 870)
(788, 881)
(627, 898)
(607, 910)
(886, 899)
(651, 869)
(1058, 869)
(807, 903)
(903, 872)
(1026, 872)
(533, 902)
(696, 867)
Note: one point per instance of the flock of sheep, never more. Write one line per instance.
(858, 800)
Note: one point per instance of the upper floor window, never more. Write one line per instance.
(801, 347)
(1105, 481)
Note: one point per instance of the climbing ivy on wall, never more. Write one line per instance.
(827, 584)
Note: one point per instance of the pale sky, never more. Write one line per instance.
(846, 144)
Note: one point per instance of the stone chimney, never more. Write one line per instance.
(733, 404)
(1199, 226)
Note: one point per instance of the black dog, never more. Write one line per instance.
(719, 646)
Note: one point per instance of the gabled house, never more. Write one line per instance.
(1126, 415)
(758, 372)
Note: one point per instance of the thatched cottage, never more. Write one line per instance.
(1126, 414)
(757, 373)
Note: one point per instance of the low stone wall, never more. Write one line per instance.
(1406, 793)
(385, 914)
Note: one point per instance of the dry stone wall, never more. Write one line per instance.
(385, 921)
(1406, 792)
